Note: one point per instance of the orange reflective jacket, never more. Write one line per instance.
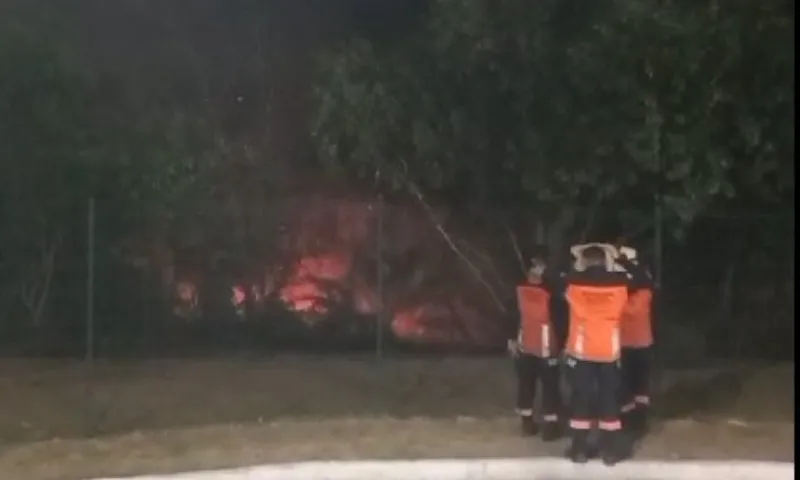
(536, 334)
(594, 322)
(637, 327)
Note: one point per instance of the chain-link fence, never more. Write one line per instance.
(368, 275)
(375, 276)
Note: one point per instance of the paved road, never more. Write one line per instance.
(498, 469)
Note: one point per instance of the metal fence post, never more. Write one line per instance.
(658, 258)
(379, 317)
(90, 282)
(89, 420)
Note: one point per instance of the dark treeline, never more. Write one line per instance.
(192, 126)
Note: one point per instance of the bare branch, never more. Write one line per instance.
(517, 250)
(34, 291)
(486, 258)
(417, 193)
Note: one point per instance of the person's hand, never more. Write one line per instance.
(513, 348)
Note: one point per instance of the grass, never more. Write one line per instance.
(60, 420)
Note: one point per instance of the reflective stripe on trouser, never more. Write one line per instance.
(528, 412)
(595, 392)
(609, 425)
(578, 424)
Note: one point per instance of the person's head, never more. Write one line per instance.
(537, 264)
(593, 256)
(539, 254)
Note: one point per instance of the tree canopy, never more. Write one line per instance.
(560, 106)
(66, 136)
(543, 111)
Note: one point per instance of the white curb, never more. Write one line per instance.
(496, 469)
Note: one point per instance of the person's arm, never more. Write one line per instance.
(639, 274)
(512, 319)
(560, 322)
(553, 280)
(559, 311)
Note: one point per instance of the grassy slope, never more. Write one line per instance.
(175, 415)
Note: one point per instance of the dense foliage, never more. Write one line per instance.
(66, 137)
(560, 105)
(546, 111)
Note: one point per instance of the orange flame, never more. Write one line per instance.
(334, 240)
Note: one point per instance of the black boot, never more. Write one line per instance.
(551, 431)
(528, 427)
(644, 424)
(637, 422)
(613, 448)
(578, 451)
(627, 420)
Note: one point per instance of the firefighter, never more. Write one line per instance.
(596, 296)
(637, 341)
(535, 343)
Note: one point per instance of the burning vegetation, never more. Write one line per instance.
(353, 261)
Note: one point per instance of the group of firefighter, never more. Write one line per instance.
(594, 322)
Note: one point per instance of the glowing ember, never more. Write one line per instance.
(305, 290)
(186, 301)
(238, 295)
(325, 267)
(365, 301)
(305, 296)
(409, 323)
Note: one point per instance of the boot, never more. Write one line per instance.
(528, 427)
(551, 431)
(627, 416)
(627, 420)
(578, 451)
(613, 447)
(637, 422)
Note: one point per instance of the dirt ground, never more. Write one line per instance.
(62, 421)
